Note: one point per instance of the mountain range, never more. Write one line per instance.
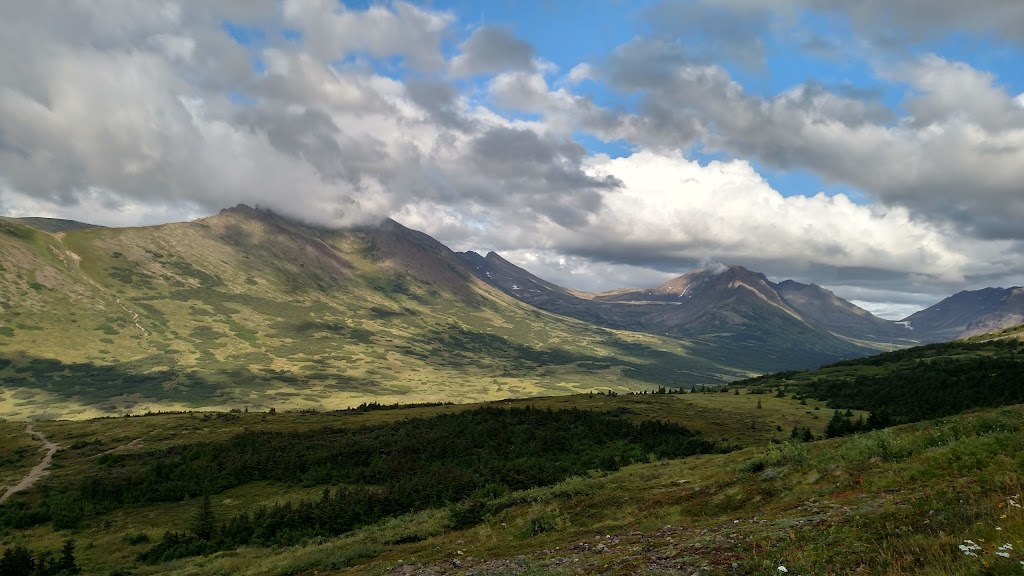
(246, 308)
(733, 302)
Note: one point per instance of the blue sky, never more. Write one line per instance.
(871, 147)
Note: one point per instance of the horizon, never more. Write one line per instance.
(869, 149)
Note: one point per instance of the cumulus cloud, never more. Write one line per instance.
(332, 31)
(492, 49)
(958, 155)
(670, 208)
(132, 104)
(581, 72)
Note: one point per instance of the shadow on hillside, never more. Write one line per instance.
(457, 346)
(138, 384)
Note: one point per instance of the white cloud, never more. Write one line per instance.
(581, 72)
(725, 210)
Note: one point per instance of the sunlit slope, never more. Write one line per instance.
(247, 309)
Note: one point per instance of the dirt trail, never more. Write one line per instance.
(137, 443)
(41, 469)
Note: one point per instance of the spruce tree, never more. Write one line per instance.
(66, 564)
(204, 523)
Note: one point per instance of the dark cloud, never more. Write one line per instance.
(714, 32)
(899, 22)
(520, 165)
(492, 49)
(440, 100)
(312, 136)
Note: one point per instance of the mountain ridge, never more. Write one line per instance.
(971, 313)
(249, 309)
(731, 302)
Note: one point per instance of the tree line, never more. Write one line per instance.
(378, 471)
(20, 561)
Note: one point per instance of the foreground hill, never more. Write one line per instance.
(915, 383)
(895, 501)
(739, 480)
(733, 307)
(246, 309)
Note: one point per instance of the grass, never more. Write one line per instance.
(781, 494)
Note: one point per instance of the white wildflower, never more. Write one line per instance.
(783, 569)
(969, 548)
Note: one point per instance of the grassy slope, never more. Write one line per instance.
(1009, 332)
(243, 309)
(895, 501)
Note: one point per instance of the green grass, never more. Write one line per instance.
(893, 501)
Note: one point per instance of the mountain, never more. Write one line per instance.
(731, 308)
(969, 313)
(246, 308)
(839, 316)
(54, 225)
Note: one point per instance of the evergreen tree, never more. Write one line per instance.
(837, 426)
(17, 561)
(204, 524)
(66, 564)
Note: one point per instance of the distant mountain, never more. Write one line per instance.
(969, 313)
(821, 306)
(739, 311)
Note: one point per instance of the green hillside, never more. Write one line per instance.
(247, 309)
(566, 498)
(915, 383)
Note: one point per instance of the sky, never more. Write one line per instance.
(875, 148)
